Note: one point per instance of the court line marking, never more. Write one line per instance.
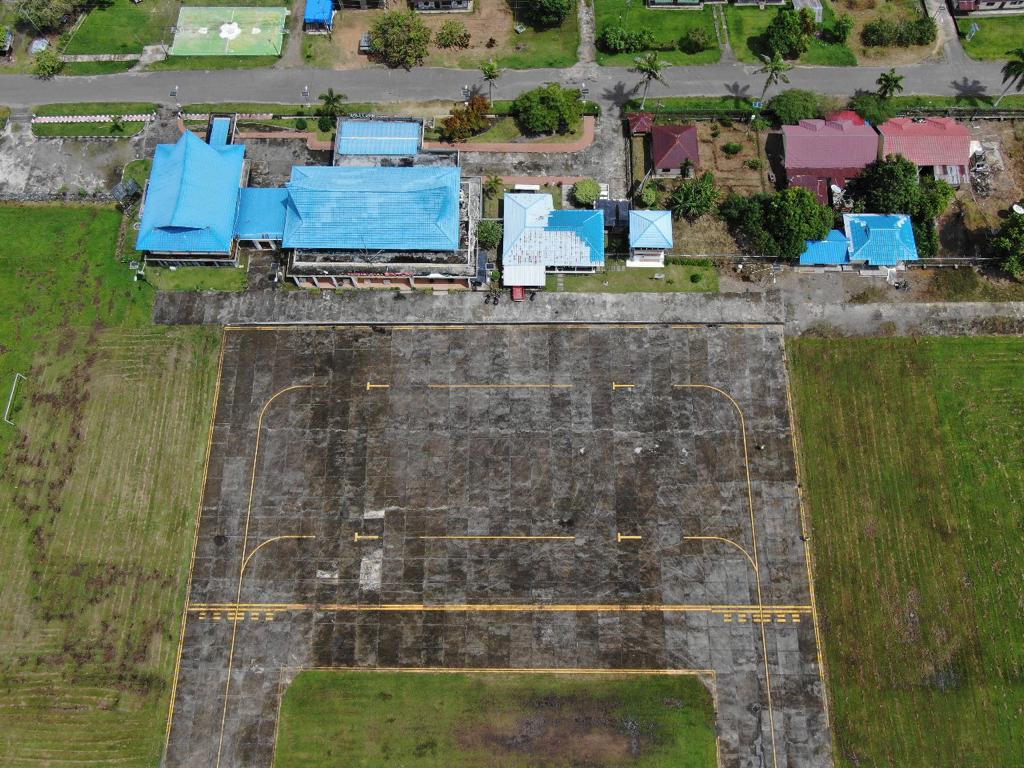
(499, 386)
(195, 545)
(497, 538)
(268, 541)
(763, 610)
(245, 559)
(753, 542)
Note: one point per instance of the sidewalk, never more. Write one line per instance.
(533, 147)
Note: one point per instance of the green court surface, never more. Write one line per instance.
(229, 31)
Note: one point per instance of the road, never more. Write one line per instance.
(608, 85)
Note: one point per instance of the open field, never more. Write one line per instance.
(99, 483)
(668, 27)
(910, 452)
(675, 278)
(996, 36)
(377, 719)
(747, 26)
(198, 278)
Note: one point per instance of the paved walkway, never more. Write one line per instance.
(534, 146)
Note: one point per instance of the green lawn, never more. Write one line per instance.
(87, 129)
(198, 278)
(91, 68)
(691, 104)
(99, 484)
(505, 131)
(96, 108)
(911, 470)
(210, 63)
(747, 26)
(668, 27)
(137, 170)
(996, 36)
(124, 27)
(677, 278)
(555, 48)
(414, 720)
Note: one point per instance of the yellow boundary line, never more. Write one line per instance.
(195, 545)
(499, 386)
(805, 529)
(496, 538)
(581, 672)
(501, 608)
(268, 541)
(245, 558)
(753, 542)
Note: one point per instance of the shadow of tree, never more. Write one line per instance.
(740, 93)
(619, 94)
(971, 92)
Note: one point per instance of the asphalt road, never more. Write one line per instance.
(608, 85)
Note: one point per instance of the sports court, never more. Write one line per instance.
(501, 497)
(229, 31)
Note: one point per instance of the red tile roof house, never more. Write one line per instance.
(673, 145)
(939, 145)
(820, 153)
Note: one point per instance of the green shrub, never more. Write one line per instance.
(615, 38)
(301, 124)
(466, 121)
(732, 148)
(325, 123)
(47, 64)
(586, 192)
(793, 105)
(779, 224)
(696, 40)
(872, 107)
(1008, 245)
(902, 34)
(694, 197)
(753, 163)
(547, 109)
(400, 39)
(649, 197)
(452, 34)
(548, 13)
(696, 277)
(489, 234)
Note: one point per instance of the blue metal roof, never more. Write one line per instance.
(379, 137)
(650, 229)
(538, 236)
(399, 209)
(219, 131)
(261, 213)
(832, 251)
(319, 12)
(192, 197)
(880, 240)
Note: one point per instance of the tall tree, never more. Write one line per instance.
(490, 72)
(1013, 73)
(331, 103)
(400, 38)
(889, 84)
(775, 70)
(650, 68)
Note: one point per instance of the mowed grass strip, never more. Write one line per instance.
(464, 720)
(910, 451)
(99, 484)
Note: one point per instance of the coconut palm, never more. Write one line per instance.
(1013, 73)
(649, 67)
(494, 186)
(490, 73)
(889, 84)
(775, 68)
(332, 103)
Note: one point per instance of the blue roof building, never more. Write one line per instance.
(379, 137)
(394, 209)
(539, 238)
(871, 239)
(192, 198)
(650, 235)
(319, 13)
(261, 213)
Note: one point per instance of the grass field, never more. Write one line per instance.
(910, 452)
(91, 68)
(99, 483)
(677, 278)
(668, 27)
(377, 719)
(211, 63)
(747, 26)
(126, 130)
(996, 36)
(198, 278)
(123, 27)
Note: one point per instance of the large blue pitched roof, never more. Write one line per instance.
(261, 213)
(830, 252)
(192, 197)
(536, 233)
(880, 240)
(650, 229)
(399, 209)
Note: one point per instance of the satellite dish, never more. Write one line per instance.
(836, 189)
(1018, 209)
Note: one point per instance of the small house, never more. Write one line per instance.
(869, 241)
(939, 146)
(616, 214)
(650, 235)
(428, 6)
(640, 123)
(987, 7)
(674, 147)
(820, 154)
(319, 17)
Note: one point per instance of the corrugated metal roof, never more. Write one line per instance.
(219, 131)
(319, 11)
(261, 213)
(834, 250)
(650, 229)
(537, 234)
(880, 240)
(672, 145)
(829, 144)
(932, 141)
(526, 275)
(379, 137)
(353, 208)
(192, 197)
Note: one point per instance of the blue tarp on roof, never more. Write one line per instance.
(319, 12)
(261, 214)
(219, 131)
(650, 229)
(398, 209)
(379, 137)
(192, 197)
(830, 252)
(880, 240)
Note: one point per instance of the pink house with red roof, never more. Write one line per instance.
(939, 146)
(820, 154)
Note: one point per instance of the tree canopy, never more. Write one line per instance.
(787, 34)
(694, 197)
(549, 13)
(400, 39)
(794, 104)
(547, 109)
(1008, 245)
(777, 224)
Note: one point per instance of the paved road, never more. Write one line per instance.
(608, 85)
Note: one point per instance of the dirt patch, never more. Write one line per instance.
(733, 172)
(863, 11)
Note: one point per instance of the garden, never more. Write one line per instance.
(114, 128)
(755, 32)
(626, 28)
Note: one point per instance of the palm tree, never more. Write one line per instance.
(116, 124)
(1013, 73)
(889, 84)
(775, 69)
(494, 186)
(332, 103)
(490, 73)
(649, 67)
